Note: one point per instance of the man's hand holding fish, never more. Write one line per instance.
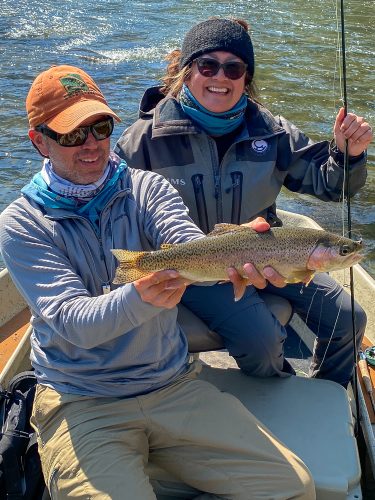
(162, 288)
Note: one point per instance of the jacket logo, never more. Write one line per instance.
(259, 146)
(176, 182)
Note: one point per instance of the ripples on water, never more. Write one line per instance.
(122, 45)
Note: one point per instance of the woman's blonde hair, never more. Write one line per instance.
(175, 77)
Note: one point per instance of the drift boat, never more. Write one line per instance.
(317, 419)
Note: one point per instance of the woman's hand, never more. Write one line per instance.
(353, 128)
(162, 288)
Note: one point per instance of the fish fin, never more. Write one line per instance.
(309, 278)
(127, 270)
(239, 289)
(127, 256)
(126, 275)
(167, 246)
(304, 276)
(227, 228)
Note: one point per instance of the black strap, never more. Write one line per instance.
(14, 477)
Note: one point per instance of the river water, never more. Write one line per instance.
(122, 43)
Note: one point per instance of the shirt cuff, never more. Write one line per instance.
(338, 155)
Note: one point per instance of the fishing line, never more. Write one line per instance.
(305, 327)
(340, 61)
(346, 196)
(338, 73)
(333, 331)
(329, 341)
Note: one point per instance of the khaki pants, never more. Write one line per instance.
(98, 447)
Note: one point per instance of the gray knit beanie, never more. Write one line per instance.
(218, 34)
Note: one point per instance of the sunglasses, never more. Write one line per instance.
(210, 67)
(100, 130)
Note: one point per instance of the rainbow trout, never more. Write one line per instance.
(295, 252)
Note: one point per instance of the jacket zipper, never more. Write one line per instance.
(219, 201)
(106, 285)
(217, 181)
(200, 202)
(237, 181)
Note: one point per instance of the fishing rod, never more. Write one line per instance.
(348, 204)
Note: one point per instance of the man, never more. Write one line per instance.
(114, 383)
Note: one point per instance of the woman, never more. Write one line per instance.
(229, 156)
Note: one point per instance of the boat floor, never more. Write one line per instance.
(11, 334)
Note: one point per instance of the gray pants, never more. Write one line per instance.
(255, 338)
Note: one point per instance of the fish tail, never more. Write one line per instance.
(128, 270)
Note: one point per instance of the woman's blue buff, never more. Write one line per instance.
(212, 123)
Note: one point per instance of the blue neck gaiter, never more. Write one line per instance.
(212, 123)
(38, 190)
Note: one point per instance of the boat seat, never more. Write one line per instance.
(202, 339)
(311, 416)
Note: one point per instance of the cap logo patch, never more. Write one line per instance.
(259, 146)
(74, 84)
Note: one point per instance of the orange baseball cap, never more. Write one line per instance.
(63, 97)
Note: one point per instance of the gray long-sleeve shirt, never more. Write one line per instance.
(85, 342)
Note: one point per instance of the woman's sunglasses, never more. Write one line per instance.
(100, 130)
(210, 67)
